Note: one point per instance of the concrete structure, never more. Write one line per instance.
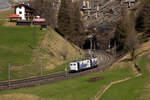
(129, 3)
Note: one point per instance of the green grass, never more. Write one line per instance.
(129, 90)
(75, 89)
(132, 89)
(15, 49)
(14, 43)
(14, 46)
(58, 68)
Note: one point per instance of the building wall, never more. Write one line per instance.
(21, 12)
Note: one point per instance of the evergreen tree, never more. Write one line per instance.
(146, 16)
(63, 18)
(69, 22)
(143, 20)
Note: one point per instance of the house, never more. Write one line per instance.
(26, 16)
(24, 11)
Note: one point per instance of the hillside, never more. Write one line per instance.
(33, 52)
(55, 50)
(27, 49)
(83, 89)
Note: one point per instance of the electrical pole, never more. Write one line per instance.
(9, 73)
(41, 63)
(34, 35)
(41, 68)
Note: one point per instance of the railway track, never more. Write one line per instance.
(15, 84)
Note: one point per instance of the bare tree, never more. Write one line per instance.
(132, 41)
(46, 9)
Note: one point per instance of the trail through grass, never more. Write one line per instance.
(131, 89)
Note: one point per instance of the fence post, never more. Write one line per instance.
(66, 72)
(41, 67)
(9, 74)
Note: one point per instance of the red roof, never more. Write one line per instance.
(14, 16)
(39, 20)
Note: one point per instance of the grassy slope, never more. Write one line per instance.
(136, 88)
(57, 51)
(25, 61)
(81, 89)
(14, 47)
(48, 55)
(73, 89)
(130, 90)
(14, 43)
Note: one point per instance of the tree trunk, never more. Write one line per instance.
(133, 58)
(137, 67)
(133, 55)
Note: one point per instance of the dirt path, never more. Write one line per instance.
(113, 83)
(108, 86)
(146, 91)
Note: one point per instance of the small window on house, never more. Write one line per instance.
(20, 7)
(20, 12)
